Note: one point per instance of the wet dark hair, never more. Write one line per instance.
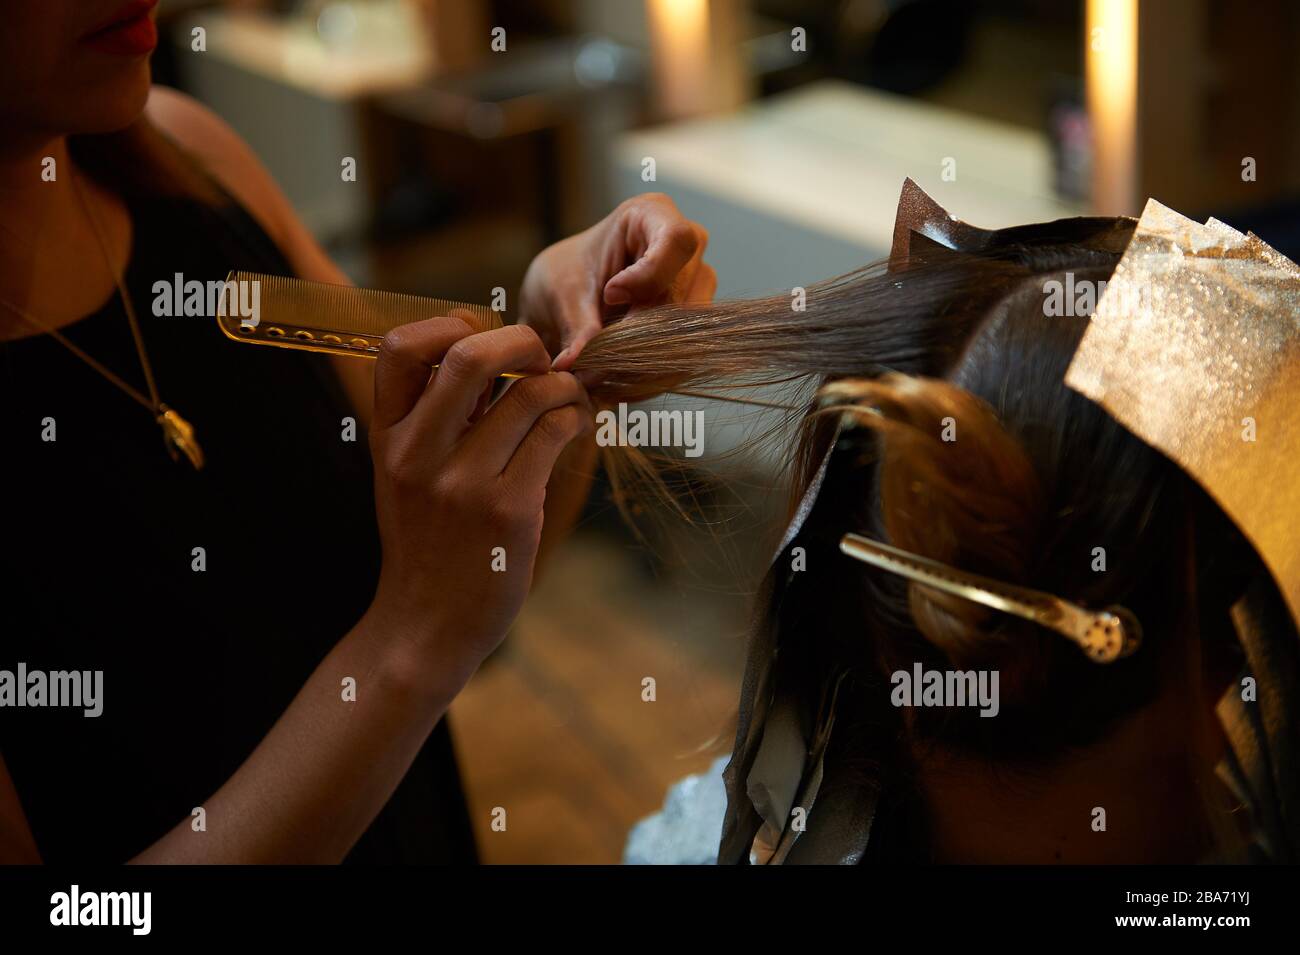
(1043, 489)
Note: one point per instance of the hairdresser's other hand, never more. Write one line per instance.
(643, 253)
(455, 479)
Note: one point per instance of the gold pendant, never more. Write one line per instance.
(179, 435)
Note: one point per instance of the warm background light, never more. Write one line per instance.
(695, 46)
(1111, 55)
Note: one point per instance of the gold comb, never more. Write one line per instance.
(345, 320)
(334, 319)
(1104, 635)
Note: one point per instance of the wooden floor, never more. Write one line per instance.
(554, 730)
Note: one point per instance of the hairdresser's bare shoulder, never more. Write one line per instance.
(231, 161)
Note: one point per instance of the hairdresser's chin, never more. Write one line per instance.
(74, 66)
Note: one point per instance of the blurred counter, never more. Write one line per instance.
(804, 185)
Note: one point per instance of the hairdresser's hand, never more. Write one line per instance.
(643, 253)
(455, 479)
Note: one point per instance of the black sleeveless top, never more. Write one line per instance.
(96, 554)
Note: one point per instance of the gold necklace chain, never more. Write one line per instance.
(178, 434)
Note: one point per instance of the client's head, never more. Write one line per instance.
(998, 469)
(975, 454)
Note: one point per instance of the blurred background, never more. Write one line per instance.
(484, 130)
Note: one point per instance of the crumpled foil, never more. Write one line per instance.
(1195, 348)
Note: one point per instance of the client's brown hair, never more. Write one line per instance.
(1037, 479)
(866, 322)
(956, 487)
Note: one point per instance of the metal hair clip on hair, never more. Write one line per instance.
(1104, 635)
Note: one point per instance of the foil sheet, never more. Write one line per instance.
(1195, 348)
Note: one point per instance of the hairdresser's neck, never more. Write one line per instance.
(49, 258)
(27, 194)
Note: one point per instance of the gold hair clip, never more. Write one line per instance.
(1104, 635)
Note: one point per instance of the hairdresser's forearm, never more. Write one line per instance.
(327, 767)
(566, 494)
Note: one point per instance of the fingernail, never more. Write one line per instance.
(617, 295)
(564, 353)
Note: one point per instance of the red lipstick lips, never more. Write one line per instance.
(129, 32)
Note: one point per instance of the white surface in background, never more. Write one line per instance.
(803, 186)
(370, 48)
(832, 157)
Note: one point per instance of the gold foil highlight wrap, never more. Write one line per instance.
(1195, 348)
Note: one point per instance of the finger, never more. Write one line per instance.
(492, 442)
(704, 284)
(447, 406)
(406, 359)
(530, 468)
(468, 316)
(484, 401)
(679, 289)
(582, 325)
(579, 324)
(673, 242)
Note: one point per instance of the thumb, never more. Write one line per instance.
(579, 325)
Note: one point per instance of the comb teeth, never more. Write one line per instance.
(338, 319)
